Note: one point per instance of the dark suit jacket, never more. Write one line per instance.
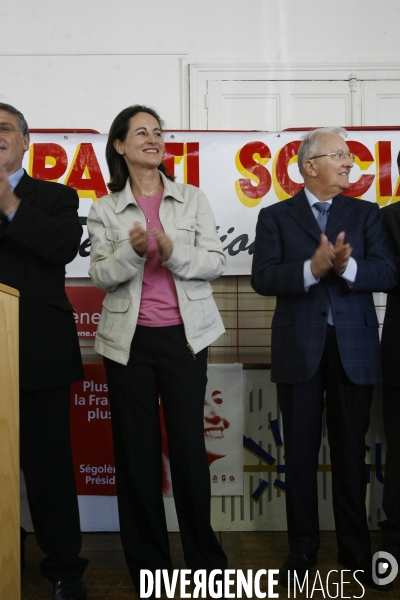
(390, 345)
(287, 235)
(34, 248)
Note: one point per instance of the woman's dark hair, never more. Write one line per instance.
(118, 131)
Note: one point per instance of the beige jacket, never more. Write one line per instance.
(197, 258)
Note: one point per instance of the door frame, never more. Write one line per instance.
(196, 73)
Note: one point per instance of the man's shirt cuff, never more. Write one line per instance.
(308, 277)
(350, 272)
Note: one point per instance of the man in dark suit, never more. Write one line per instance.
(39, 234)
(390, 349)
(323, 254)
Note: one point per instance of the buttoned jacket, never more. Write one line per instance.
(287, 235)
(197, 258)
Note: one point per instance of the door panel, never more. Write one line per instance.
(276, 105)
(381, 102)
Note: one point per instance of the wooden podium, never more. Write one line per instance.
(10, 558)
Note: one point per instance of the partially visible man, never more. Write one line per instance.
(323, 254)
(390, 349)
(39, 234)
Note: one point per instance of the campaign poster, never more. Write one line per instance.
(92, 437)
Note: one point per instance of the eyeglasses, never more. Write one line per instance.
(338, 155)
(7, 128)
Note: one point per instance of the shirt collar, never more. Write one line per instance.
(15, 178)
(313, 199)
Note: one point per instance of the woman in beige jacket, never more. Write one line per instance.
(154, 249)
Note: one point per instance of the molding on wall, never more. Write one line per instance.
(91, 53)
(307, 65)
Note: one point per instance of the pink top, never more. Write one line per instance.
(159, 302)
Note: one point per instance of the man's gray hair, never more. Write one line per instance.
(22, 124)
(309, 143)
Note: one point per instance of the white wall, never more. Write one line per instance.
(76, 64)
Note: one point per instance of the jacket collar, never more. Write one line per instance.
(125, 196)
(171, 189)
(24, 186)
(299, 209)
(339, 216)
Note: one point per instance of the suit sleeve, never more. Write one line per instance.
(375, 270)
(391, 226)
(110, 263)
(52, 235)
(271, 275)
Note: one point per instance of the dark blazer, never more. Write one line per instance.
(390, 346)
(34, 248)
(287, 235)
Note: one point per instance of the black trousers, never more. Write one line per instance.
(160, 362)
(391, 489)
(347, 415)
(46, 460)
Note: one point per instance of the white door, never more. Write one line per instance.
(277, 105)
(381, 102)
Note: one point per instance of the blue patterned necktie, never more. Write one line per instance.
(323, 209)
(322, 219)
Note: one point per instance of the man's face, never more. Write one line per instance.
(330, 174)
(12, 145)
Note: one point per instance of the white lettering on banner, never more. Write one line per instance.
(94, 470)
(98, 414)
(240, 172)
(85, 318)
(100, 480)
(94, 387)
(96, 400)
(93, 400)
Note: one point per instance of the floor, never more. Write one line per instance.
(107, 578)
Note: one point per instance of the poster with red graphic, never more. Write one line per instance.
(223, 429)
(223, 433)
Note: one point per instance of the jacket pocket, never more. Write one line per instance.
(201, 304)
(370, 318)
(284, 319)
(186, 227)
(113, 318)
(117, 235)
